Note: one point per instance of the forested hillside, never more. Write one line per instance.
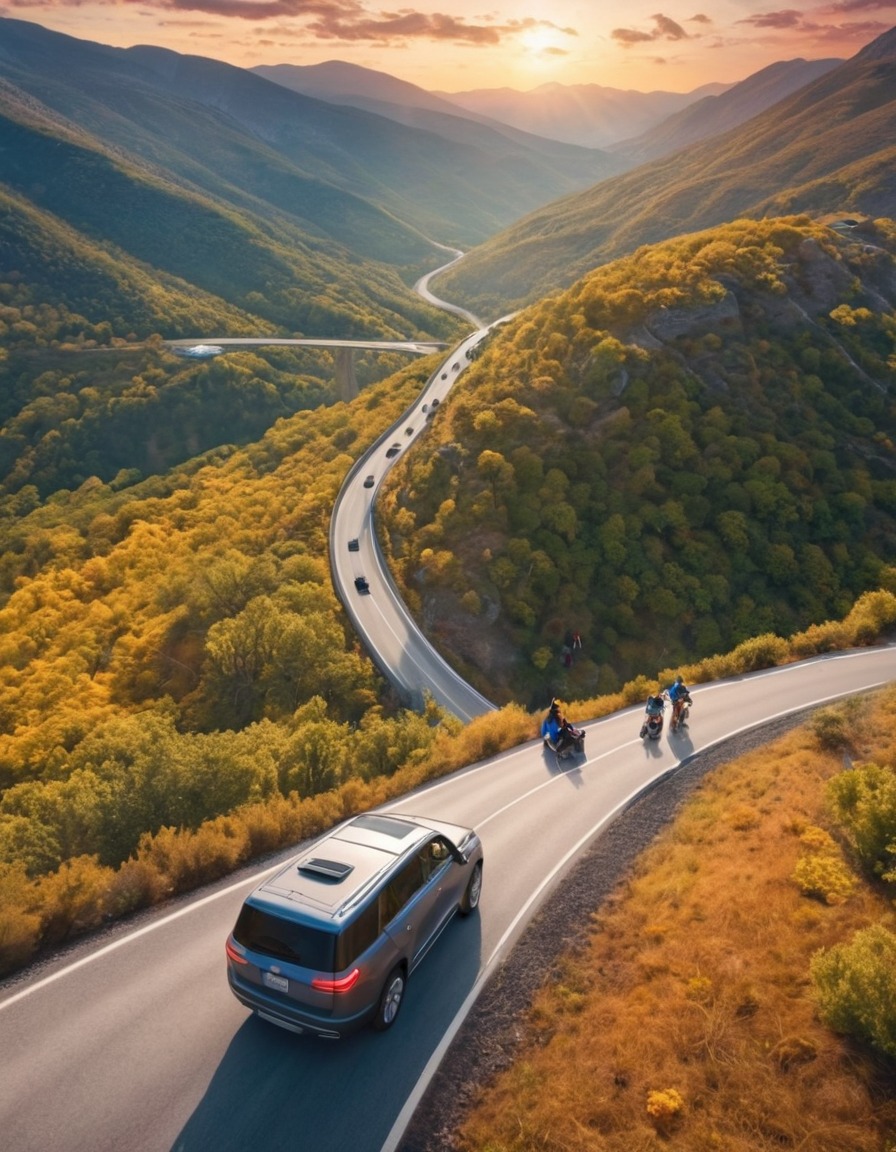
(342, 175)
(828, 148)
(691, 446)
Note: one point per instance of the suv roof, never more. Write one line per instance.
(325, 882)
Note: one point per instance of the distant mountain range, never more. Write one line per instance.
(715, 114)
(585, 114)
(313, 211)
(633, 126)
(829, 147)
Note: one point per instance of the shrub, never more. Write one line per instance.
(73, 898)
(664, 1106)
(764, 651)
(855, 987)
(19, 921)
(827, 637)
(863, 800)
(870, 616)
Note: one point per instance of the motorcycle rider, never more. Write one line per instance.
(550, 727)
(655, 707)
(679, 695)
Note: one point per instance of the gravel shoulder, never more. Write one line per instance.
(488, 1039)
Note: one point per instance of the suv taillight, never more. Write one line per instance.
(323, 984)
(233, 955)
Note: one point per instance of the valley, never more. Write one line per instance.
(674, 437)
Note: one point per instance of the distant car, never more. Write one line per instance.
(444, 375)
(409, 431)
(361, 584)
(353, 545)
(369, 482)
(435, 402)
(425, 408)
(456, 365)
(394, 450)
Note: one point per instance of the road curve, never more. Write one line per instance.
(135, 1042)
(379, 615)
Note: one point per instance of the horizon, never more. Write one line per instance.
(725, 42)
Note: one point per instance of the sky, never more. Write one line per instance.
(457, 45)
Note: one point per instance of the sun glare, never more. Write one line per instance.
(540, 43)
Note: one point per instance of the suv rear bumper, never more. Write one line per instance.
(294, 1019)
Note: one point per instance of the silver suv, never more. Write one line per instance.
(327, 944)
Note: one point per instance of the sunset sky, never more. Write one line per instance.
(453, 45)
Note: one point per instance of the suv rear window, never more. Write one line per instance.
(297, 943)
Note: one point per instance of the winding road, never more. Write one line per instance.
(135, 1044)
(132, 1042)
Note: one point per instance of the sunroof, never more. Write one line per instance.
(330, 869)
(386, 825)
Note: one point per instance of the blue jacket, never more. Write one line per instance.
(677, 690)
(550, 728)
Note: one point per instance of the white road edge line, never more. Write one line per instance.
(432, 1065)
(131, 936)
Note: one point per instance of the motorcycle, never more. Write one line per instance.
(570, 741)
(681, 719)
(652, 727)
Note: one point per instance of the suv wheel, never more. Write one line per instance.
(470, 901)
(390, 1000)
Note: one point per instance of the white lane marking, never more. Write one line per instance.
(194, 905)
(410, 1105)
(131, 936)
(404, 1117)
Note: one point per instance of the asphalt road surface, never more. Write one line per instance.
(134, 1043)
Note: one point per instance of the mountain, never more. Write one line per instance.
(716, 114)
(212, 122)
(385, 95)
(339, 82)
(690, 447)
(828, 148)
(586, 114)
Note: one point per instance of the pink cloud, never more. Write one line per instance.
(664, 29)
(345, 20)
(786, 18)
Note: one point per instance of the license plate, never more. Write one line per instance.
(278, 982)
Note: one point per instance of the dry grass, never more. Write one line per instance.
(688, 1022)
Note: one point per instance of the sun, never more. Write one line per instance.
(541, 43)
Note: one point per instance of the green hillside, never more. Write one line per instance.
(268, 268)
(352, 177)
(691, 446)
(828, 148)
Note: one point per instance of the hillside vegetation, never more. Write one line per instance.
(691, 446)
(828, 148)
(738, 990)
(342, 175)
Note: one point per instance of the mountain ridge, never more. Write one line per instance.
(826, 148)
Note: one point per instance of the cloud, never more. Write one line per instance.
(857, 6)
(344, 20)
(786, 18)
(664, 29)
(699, 19)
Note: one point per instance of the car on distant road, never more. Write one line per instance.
(394, 450)
(369, 482)
(353, 544)
(409, 431)
(326, 944)
(361, 584)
